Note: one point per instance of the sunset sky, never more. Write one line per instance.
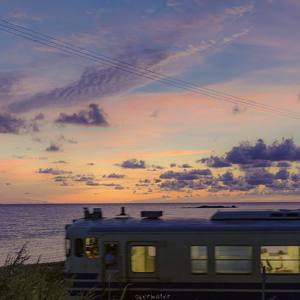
(75, 130)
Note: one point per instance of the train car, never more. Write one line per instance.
(234, 255)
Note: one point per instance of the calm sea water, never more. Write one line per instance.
(41, 226)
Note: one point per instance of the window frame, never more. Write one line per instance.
(142, 244)
(234, 259)
(206, 260)
(278, 274)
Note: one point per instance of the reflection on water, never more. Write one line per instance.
(42, 226)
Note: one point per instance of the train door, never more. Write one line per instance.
(111, 261)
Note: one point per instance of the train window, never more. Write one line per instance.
(91, 247)
(143, 259)
(79, 247)
(68, 247)
(233, 259)
(198, 259)
(111, 256)
(280, 259)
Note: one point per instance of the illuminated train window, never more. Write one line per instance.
(233, 259)
(143, 259)
(91, 247)
(198, 259)
(280, 259)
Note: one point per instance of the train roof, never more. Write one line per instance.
(267, 220)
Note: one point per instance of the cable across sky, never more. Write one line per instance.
(71, 49)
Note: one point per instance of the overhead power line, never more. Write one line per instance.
(49, 41)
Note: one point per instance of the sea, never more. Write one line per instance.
(41, 227)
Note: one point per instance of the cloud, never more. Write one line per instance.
(60, 162)
(52, 171)
(259, 177)
(283, 164)
(257, 155)
(133, 164)
(11, 124)
(186, 175)
(185, 166)
(215, 162)
(53, 148)
(240, 10)
(82, 178)
(7, 82)
(114, 175)
(277, 151)
(95, 82)
(282, 174)
(63, 139)
(131, 46)
(92, 117)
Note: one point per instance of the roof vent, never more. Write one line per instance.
(86, 213)
(122, 214)
(154, 214)
(97, 213)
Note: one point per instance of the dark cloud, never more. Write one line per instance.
(173, 165)
(39, 117)
(215, 162)
(133, 164)
(53, 148)
(283, 164)
(114, 175)
(92, 117)
(227, 178)
(92, 183)
(10, 124)
(97, 81)
(185, 166)
(61, 178)
(247, 153)
(52, 171)
(173, 185)
(259, 155)
(260, 177)
(82, 178)
(282, 174)
(186, 175)
(261, 164)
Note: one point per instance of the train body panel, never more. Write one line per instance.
(153, 258)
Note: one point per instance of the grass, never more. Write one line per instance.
(38, 281)
(20, 280)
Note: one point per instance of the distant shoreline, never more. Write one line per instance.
(158, 203)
